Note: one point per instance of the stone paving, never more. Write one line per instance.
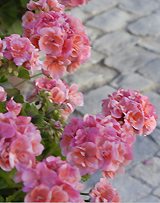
(125, 36)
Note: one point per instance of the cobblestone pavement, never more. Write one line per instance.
(125, 37)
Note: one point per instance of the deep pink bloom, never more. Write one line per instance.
(132, 110)
(104, 192)
(3, 94)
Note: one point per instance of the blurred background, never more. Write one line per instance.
(125, 39)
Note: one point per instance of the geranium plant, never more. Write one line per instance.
(43, 156)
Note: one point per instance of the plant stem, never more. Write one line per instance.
(34, 76)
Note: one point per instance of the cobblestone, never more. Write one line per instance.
(149, 25)
(140, 7)
(125, 35)
(93, 99)
(148, 171)
(149, 198)
(130, 189)
(150, 43)
(130, 59)
(157, 192)
(144, 148)
(133, 81)
(93, 33)
(114, 42)
(151, 70)
(110, 21)
(156, 136)
(93, 77)
(95, 6)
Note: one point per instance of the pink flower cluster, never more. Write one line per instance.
(59, 36)
(45, 5)
(104, 192)
(96, 143)
(73, 3)
(21, 52)
(51, 180)
(60, 93)
(132, 110)
(19, 139)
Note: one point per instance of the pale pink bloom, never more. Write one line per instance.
(132, 110)
(40, 193)
(51, 40)
(3, 94)
(21, 51)
(19, 141)
(84, 157)
(13, 107)
(104, 192)
(97, 143)
(59, 92)
(54, 67)
(60, 36)
(69, 174)
(73, 3)
(4, 157)
(58, 194)
(45, 5)
(58, 181)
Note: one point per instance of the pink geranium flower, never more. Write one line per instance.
(45, 5)
(60, 93)
(3, 94)
(51, 180)
(104, 192)
(73, 3)
(60, 36)
(97, 143)
(13, 107)
(19, 141)
(134, 111)
(21, 52)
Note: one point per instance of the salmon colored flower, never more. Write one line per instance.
(104, 192)
(21, 52)
(60, 36)
(134, 111)
(38, 194)
(45, 5)
(73, 3)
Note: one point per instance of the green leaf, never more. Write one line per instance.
(1, 199)
(3, 79)
(23, 73)
(18, 196)
(19, 98)
(12, 92)
(2, 107)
